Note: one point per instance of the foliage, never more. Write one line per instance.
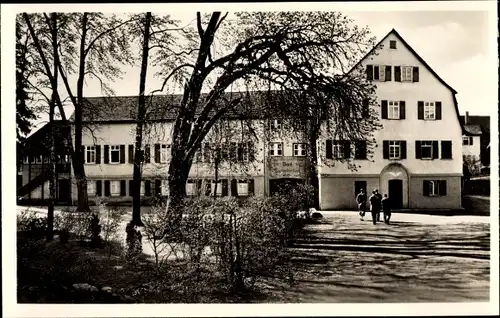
(473, 163)
(35, 226)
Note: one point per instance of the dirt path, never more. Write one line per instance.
(415, 259)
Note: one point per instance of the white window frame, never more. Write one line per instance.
(429, 111)
(91, 150)
(300, 149)
(381, 73)
(433, 188)
(38, 159)
(276, 149)
(143, 188)
(164, 153)
(219, 187)
(337, 149)
(276, 124)
(394, 150)
(114, 148)
(91, 187)
(407, 73)
(242, 187)
(114, 188)
(393, 110)
(191, 187)
(164, 187)
(300, 125)
(466, 140)
(426, 144)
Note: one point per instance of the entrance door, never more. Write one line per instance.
(64, 191)
(396, 193)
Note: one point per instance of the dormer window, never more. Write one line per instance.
(392, 44)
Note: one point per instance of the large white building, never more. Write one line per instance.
(417, 161)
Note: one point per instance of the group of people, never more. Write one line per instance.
(377, 203)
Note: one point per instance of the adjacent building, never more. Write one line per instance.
(476, 143)
(417, 160)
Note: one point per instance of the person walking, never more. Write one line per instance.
(361, 200)
(379, 196)
(386, 207)
(375, 205)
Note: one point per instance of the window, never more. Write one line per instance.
(26, 159)
(91, 190)
(219, 187)
(394, 150)
(114, 154)
(164, 153)
(446, 149)
(243, 187)
(360, 151)
(276, 149)
(393, 110)
(46, 159)
(115, 187)
(392, 44)
(337, 149)
(191, 187)
(275, 124)
(38, 159)
(243, 152)
(426, 150)
(434, 188)
(467, 140)
(299, 150)
(90, 154)
(300, 125)
(429, 111)
(143, 187)
(407, 72)
(164, 187)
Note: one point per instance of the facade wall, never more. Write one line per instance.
(452, 200)
(338, 192)
(474, 149)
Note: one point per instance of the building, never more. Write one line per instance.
(419, 158)
(417, 162)
(476, 145)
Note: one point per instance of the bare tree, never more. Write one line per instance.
(296, 51)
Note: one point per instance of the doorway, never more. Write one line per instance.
(396, 193)
(64, 191)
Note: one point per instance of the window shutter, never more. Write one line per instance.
(446, 150)
(366, 108)
(435, 149)
(471, 140)
(107, 190)
(147, 188)
(442, 187)
(384, 109)
(98, 188)
(130, 153)
(420, 107)
(251, 151)
(376, 72)
(106, 154)
(224, 188)
(123, 188)
(347, 149)
(385, 149)
(329, 153)
(388, 73)
(360, 151)
(369, 72)
(147, 154)
(122, 153)
(234, 188)
(397, 73)
(403, 149)
(130, 187)
(415, 74)
(157, 187)
(418, 150)
(157, 153)
(426, 188)
(438, 111)
(250, 187)
(198, 186)
(402, 109)
(98, 154)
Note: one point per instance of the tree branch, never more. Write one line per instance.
(91, 44)
(170, 75)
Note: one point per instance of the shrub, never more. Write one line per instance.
(35, 226)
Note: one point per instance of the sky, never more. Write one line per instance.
(457, 44)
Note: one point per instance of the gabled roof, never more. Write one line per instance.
(482, 121)
(39, 141)
(424, 63)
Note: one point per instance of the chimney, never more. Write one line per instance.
(466, 118)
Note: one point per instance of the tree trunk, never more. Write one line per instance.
(178, 173)
(141, 114)
(52, 181)
(78, 164)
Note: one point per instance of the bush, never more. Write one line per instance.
(35, 226)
